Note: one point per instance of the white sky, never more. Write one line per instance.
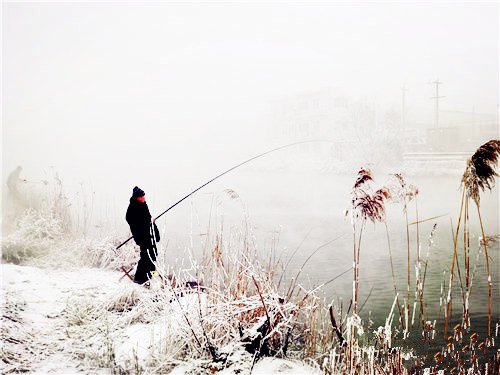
(96, 88)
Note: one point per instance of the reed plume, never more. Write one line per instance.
(480, 171)
(364, 175)
(370, 206)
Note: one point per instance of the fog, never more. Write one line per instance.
(165, 96)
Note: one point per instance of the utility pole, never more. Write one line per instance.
(403, 106)
(437, 97)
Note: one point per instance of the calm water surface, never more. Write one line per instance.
(287, 208)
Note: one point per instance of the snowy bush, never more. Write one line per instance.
(33, 235)
(101, 253)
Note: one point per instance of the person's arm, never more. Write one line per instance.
(156, 232)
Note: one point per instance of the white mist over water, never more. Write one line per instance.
(167, 96)
(124, 94)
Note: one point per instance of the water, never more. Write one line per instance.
(285, 209)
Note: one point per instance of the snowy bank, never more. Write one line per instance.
(86, 320)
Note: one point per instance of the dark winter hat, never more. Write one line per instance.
(137, 192)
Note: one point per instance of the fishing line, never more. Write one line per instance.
(227, 171)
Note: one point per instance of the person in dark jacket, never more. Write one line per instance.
(139, 219)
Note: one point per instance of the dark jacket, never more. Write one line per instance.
(139, 219)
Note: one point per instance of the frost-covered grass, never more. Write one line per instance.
(43, 227)
(40, 240)
(33, 235)
(230, 311)
(15, 336)
(236, 316)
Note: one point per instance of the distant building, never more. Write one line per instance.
(322, 113)
(457, 132)
(361, 132)
(325, 115)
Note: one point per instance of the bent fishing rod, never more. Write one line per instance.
(225, 172)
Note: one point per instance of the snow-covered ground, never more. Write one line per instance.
(34, 300)
(53, 323)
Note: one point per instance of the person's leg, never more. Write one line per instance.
(141, 274)
(149, 261)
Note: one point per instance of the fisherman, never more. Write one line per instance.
(14, 185)
(141, 226)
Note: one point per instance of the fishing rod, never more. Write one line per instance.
(225, 172)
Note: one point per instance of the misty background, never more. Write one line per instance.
(166, 96)
(121, 94)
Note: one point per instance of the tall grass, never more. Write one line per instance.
(404, 193)
(479, 175)
(366, 205)
(235, 305)
(39, 221)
